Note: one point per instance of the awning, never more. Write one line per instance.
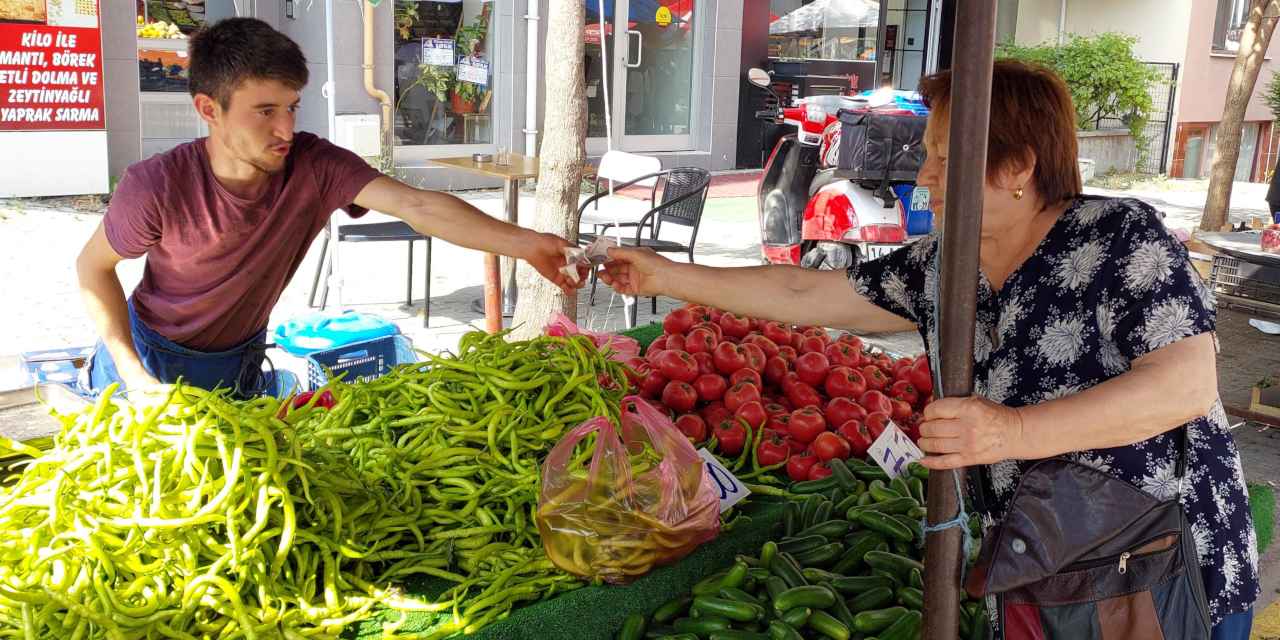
(826, 14)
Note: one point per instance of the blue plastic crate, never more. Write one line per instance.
(359, 360)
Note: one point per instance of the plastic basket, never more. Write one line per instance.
(1239, 279)
(359, 360)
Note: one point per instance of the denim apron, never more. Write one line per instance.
(238, 368)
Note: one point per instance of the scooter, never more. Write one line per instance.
(808, 216)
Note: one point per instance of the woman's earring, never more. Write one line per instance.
(1017, 193)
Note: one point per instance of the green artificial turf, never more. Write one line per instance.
(598, 611)
(645, 334)
(1262, 503)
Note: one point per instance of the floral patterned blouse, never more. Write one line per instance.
(1107, 285)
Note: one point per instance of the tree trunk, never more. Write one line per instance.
(561, 159)
(1253, 47)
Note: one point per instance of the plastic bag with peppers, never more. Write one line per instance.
(616, 506)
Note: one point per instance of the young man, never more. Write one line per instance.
(225, 221)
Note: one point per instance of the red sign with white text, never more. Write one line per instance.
(51, 73)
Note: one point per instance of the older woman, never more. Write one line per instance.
(1089, 315)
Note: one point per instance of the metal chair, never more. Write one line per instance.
(377, 232)
(684, 196)
(612, 209)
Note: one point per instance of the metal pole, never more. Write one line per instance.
(972, 57)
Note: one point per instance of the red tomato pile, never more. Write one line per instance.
(817, 398)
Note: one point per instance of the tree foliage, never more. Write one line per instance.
(1272, 95)
(1106, 79)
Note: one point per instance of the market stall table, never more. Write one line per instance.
(495, 303)
(1245, 274)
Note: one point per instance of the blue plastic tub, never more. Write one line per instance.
(919, 221)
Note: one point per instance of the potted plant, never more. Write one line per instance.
(470, 41)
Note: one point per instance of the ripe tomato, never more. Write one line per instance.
(843, 382)
(800, 394)
(700, 340)
(731, 437)
(901, 410)
(775, 409)
(812, 367)
(735, 326)
(904, 391)
(769, 347)
(773, 449)
(874, 401)
(829, 445)
(705, 364)
(679, 396)
(777, 333)
(753, 414)
(755, 356)
(841, 410)
(746, 375)
(806, 424)
(729, 357)
(798, 466)
(788, 353)
(819, 471)
(714, 413)
(811, 344)
(678, 365)
(678, 322)
(774, 370)
(876, 377)
(842, 354)
(876, 423)
(710, 387)
(692, 426)
(858, 436)
(653, 384)
(740, 394)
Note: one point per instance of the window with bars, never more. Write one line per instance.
(1232, 14)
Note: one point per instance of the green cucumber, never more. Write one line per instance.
(798, 544)
(900, 566)
(632, 628)
(790, 519)
(852, 585)
(917, 527)
(870, 473)
(701, 626)
(917, 489)
(918, 470)
(726, 608)
(797, 617)
(813, 486)
(817, 576)
(906, 628)
(710, 584)
(779, 630)
(736, 634)
(785, 567)
(917, 579)
(672, 609)
(844, 477)
(774, 586)
(768, 551)
(811, 596)
(877, 619)
(821, 514)
(856, 547)
(885, 524)
(827, 529)
(871, 599)
(911, 598)
(740, 596)
(823, 556)
(828, 625)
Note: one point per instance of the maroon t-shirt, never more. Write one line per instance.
(217, 263)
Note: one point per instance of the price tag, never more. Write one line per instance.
(920, 199)
(473, 70)
(731, 489)
(437, 52)
(893, 451)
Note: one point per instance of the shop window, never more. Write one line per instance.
(444, 72)
(823, 29)
(1229, 25)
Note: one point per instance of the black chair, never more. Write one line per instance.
(377, 232)
(684, 195)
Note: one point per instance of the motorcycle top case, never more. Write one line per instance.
(881, 146)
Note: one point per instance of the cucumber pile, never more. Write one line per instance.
(845, 565)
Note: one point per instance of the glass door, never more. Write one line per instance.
(648, 52)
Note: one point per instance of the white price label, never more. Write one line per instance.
(731, 490)
(437, 52)
(920, 199)
(893, 451)
(473, 70)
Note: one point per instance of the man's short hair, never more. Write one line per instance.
(231, 51)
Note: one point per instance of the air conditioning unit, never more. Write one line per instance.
(360, 133)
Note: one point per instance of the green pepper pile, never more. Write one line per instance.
(846, 564)
(203, 517)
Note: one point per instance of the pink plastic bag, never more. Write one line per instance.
(622, 506)
(622, 348)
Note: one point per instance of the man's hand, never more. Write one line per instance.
(546, 254)
(962, 432)
(635, 272)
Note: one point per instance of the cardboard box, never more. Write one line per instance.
(1266, 400)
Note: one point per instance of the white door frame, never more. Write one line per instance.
(621, 50)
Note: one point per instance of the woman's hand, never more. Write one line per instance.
(635, 272)
(962, 432)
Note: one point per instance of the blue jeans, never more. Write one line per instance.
(1234, 627)
(238, 368)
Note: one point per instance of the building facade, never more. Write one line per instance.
(663, 77)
